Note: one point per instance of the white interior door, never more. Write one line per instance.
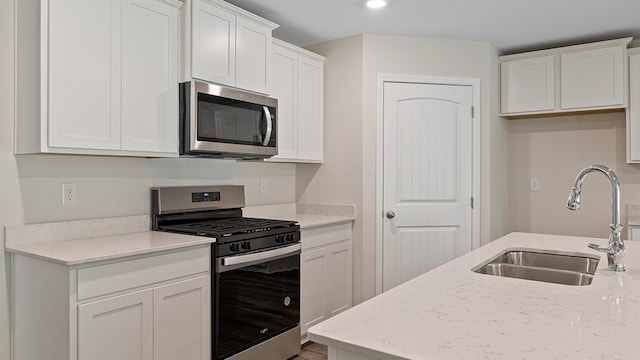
(427, 177)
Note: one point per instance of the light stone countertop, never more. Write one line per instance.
(83, 241)
(80, 251)
(307, 215)
(454, 313)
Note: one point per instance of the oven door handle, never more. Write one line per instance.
(234, 262)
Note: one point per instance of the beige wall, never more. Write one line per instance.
(351, 116)
(112, 186)
(555, 149)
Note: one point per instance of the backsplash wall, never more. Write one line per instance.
(555, 149)
(114, 186)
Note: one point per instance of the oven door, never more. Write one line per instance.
(256, 297)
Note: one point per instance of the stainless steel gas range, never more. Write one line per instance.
(255, 267)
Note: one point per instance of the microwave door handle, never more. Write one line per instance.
(267, 135)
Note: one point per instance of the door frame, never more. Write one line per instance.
(475, 191)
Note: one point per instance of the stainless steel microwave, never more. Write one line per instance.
(221, 122)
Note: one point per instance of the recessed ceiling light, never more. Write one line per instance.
(376, 4)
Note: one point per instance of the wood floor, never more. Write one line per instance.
(312, 351)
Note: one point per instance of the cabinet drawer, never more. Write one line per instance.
(324, 235)
(119, 276)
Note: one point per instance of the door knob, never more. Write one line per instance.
(391, 214)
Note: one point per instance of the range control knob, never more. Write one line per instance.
(234, 247)
(246, 245)
(289, 237)
(280, 238)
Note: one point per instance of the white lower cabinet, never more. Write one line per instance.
(120, 327)
(153, 307)
(325, 273)
(182, 320)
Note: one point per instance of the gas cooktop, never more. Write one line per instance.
(228, 227)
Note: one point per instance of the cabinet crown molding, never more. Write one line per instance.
(566, 49)
(298, 49)
(633, 51)
(240, 11)
(175, 3)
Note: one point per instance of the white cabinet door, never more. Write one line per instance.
(325, 273)
(593, 78)
(253, 55)
(633, 113)
(83, 78)
(228, 46)
(182, 320)
(310, 109)
(313, 288)
(298, 84)
(527, 85)
(149, 73)
(120, 328)
(339, 278)
(213, 44)
(285, 89)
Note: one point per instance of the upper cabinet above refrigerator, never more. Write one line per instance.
(226, 45)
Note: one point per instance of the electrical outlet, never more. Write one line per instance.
(263, 186)
(69, 194)
(534, 184)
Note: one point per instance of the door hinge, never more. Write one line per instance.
(472, 202)
(473, 112)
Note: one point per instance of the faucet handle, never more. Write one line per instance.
(600, 248)
(614, 258)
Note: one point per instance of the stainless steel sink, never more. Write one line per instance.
(542, 265)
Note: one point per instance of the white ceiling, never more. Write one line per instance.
(510, 25)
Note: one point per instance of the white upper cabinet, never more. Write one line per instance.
(298, 84)
(574, 78)
(226, 45)
(593, 78)
(99, 78)
(633, 113)
(527, 85)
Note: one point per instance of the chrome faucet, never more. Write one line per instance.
(615, 249)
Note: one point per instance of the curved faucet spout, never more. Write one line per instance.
(615, 250)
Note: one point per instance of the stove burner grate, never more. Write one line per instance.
(229, 226)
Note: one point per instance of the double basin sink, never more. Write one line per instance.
(542, 265)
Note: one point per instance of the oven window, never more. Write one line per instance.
(255, 303)
(230, 121)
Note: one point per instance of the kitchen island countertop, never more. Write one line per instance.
(453, 313)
